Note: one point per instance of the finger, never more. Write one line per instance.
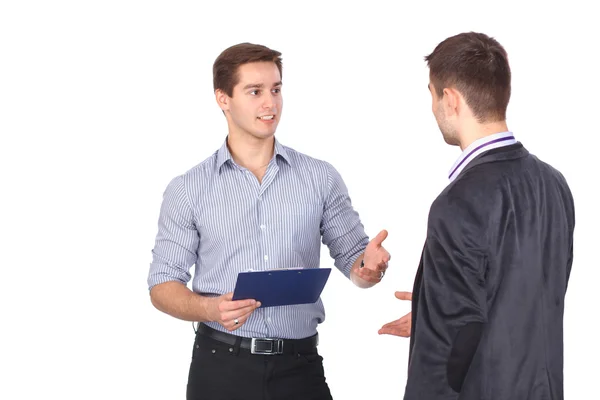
(231, 315)
(402, 332)
(232, 326)
(396, 326)
(387, 257)
(238, 312)
(398, 322)
(381, 236)
(404, 320)
(382, 266)
(403, 295)
(391, 328)
(369, 275)
(236, 305)
(384, 256)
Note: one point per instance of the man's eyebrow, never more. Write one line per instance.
(254, 86)
(260, 85)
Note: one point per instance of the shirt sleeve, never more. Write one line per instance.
(452, 305)
(176, 244)
(341, 229)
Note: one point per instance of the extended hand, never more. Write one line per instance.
(375, 259)
(400, 327)
(231, 314)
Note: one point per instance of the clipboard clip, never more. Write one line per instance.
(266, 346)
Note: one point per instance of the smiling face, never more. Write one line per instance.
(256, 103)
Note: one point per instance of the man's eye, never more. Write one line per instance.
(254, 92)
(277, 90)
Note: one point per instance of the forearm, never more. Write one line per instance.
(177, 300)
(355, 278)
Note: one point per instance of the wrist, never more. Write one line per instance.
(208, 305)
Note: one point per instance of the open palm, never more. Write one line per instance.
(402, 326)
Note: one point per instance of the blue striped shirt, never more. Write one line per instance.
(218, 217)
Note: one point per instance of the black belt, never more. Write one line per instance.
(264, 346)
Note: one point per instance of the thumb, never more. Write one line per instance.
(380, 237)
(403, 295)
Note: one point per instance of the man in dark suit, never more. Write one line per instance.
(488, 297)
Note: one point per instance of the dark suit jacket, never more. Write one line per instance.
(488, 298)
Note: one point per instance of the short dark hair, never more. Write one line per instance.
(226, 65)
(477, 66)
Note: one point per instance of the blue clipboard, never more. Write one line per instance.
(282, 287)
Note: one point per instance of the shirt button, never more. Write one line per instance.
(263, 227)
(266, 257)
(268, 319)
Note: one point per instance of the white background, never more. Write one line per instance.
(102, 103)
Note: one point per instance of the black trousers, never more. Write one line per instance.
(219, 371)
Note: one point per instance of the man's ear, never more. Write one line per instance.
(452, 102)
(222, 99)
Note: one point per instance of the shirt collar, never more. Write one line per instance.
(224, 155)
(281, 151)
(479, 146)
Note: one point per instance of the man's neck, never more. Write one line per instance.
(477, 131)
(250, 152)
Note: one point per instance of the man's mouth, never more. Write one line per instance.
(266, 117)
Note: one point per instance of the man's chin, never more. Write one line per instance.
(452, 141)
(264, 134)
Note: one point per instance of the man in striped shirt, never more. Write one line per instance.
(255, 204)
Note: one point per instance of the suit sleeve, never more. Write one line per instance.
(571, 219)
(452, 302)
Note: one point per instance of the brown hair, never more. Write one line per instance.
(477, 66)
(226, 66)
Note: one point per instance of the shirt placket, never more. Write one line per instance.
(265, 236)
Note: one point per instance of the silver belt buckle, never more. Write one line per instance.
(266, 346)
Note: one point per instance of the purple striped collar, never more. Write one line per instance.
(479, 146)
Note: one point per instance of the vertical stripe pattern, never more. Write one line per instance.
(220, 219)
